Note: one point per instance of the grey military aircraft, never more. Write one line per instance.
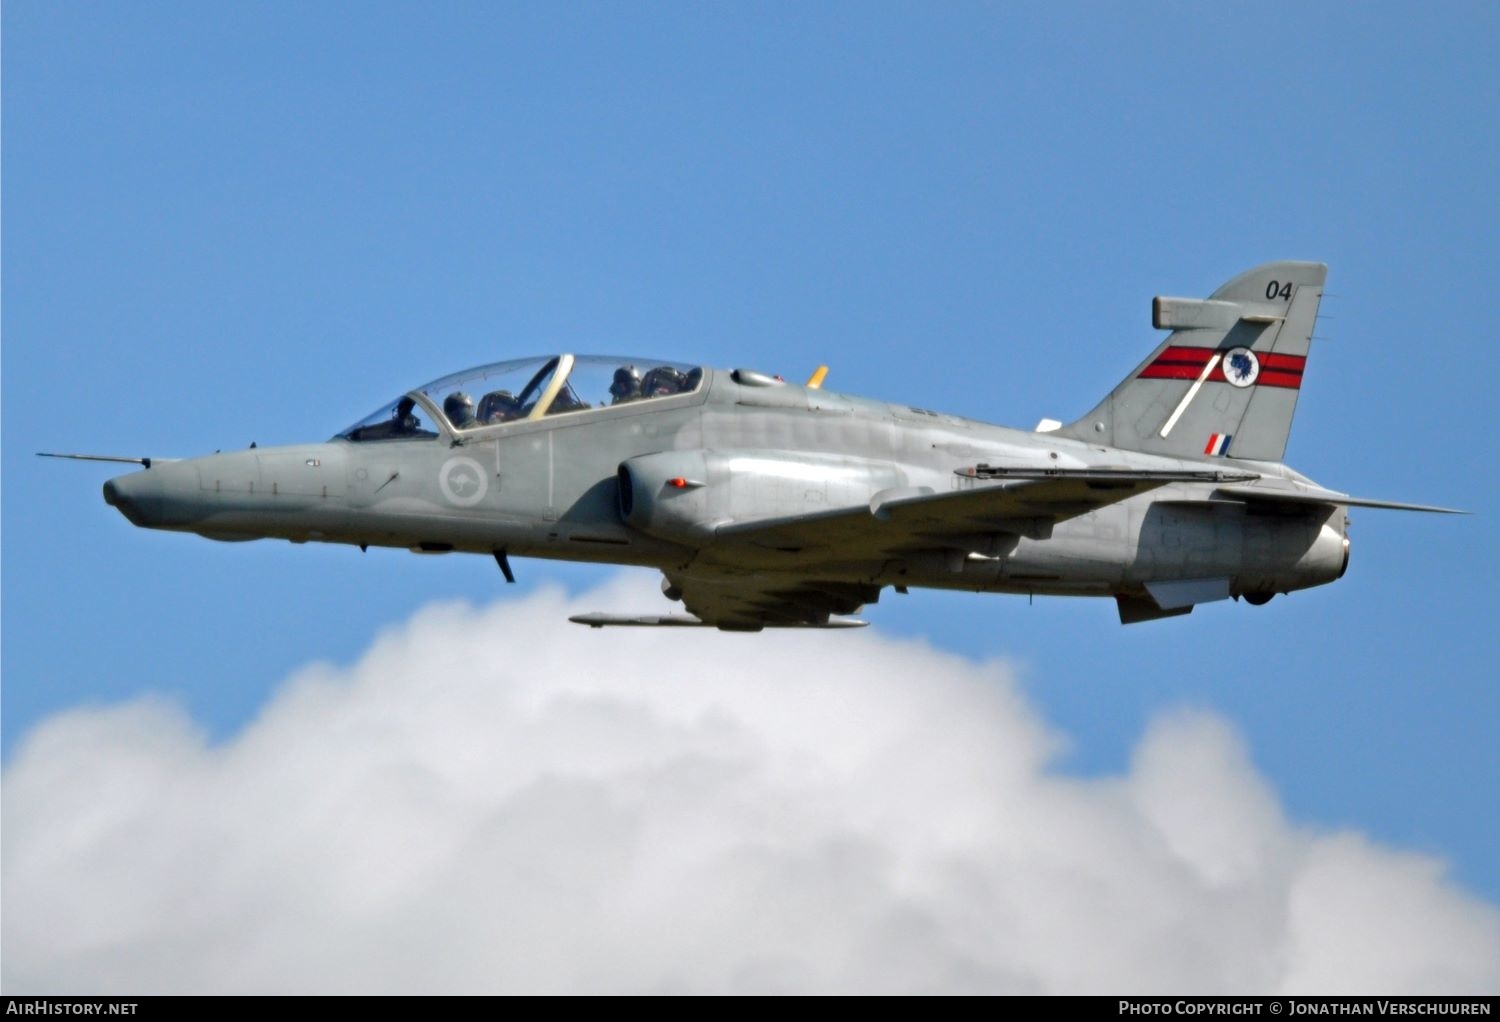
(769, 504)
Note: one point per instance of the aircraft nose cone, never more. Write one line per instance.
(127, 494)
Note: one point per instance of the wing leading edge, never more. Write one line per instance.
(1028, 498)
(1326, 498)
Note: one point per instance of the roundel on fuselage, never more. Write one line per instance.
(463, 481)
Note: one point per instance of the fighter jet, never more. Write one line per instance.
(766, 503)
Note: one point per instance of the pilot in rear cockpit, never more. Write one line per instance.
(662, 381)
(498, 406)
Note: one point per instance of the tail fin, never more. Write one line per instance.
(1225, 381)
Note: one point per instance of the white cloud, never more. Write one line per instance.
(497, 800)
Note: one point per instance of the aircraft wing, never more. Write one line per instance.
(1027, 500)
(1322, 497)
(789, 593)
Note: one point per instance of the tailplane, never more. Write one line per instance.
(1225, 381)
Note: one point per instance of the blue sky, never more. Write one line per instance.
(260, 222)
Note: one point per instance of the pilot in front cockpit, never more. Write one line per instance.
(459, 407)
(626, 386)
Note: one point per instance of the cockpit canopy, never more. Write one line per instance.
(525, 390)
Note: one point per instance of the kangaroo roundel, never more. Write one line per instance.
(463, 481)
(1241, 367)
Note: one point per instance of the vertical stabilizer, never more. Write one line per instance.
(1225, 381)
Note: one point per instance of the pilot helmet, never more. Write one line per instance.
(459, 407)
(663, 380)
(497, 406)
(403, 414)
(627, 382)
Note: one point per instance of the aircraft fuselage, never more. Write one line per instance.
(737, 453)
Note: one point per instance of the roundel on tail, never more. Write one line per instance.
(1241, 367)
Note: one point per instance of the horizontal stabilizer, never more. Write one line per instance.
(1327, 498)
(598, 620)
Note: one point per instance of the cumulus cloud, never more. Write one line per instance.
(492, 799)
